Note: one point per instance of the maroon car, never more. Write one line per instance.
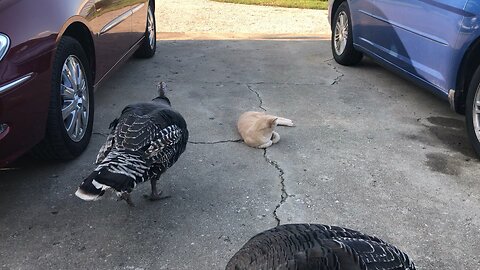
(53, 55)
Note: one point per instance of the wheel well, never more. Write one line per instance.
(81, 33)
(469, 65)
(335, 6)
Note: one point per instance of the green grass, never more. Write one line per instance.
(312, 4)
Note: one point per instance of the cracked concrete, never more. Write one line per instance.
(260, 105)
(284, 194)
(329, 62)
(217, 142)
(358, 157)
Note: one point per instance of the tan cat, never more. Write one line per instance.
(257, 128)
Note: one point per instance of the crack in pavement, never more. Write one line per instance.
(284, 195)
(217, 142)
(257, 83)
(258, 96)
(339, 77)
(192, 142)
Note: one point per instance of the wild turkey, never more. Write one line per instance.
(143, 143)
(319, 247)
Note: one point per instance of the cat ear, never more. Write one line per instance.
(273, 121)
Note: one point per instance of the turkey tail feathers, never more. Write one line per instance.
(319, 247)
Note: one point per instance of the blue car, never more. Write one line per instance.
(435, 43)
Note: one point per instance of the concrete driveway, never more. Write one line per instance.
(370, 151)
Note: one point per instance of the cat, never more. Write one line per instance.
(257, 128)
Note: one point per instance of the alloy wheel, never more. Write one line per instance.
(151, 28)
(75, 98)
(341, 33)
(476, 113)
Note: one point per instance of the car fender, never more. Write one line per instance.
(466, 62)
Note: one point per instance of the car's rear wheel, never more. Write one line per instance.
(342, 39)
(149, 43)
(71, 109)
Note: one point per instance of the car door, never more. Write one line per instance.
(112, 26)
(139, 18)
(418, 36)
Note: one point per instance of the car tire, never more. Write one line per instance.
(472, 111)
(149, 44)
(71, 109)
(343, 50)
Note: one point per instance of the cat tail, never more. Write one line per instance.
(284, 122)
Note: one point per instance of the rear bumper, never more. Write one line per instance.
(23, 114)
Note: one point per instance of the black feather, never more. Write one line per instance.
(145, 140)
(319, 247)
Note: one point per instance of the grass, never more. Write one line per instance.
(311, 4)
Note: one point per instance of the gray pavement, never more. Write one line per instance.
(370, 151)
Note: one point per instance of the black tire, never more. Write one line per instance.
(349, 56)
(471, 117)
(57, 143)
(147, 49)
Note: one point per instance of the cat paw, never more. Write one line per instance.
(275, 137)
(265, 145)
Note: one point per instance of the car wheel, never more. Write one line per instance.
(472, 111)
(71, 109)
(342, 39)
(149, 43)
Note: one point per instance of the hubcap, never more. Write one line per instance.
(151, 28)
(74, 98)
(476, 113)
(341, 33)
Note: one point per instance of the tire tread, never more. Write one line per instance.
(53, 146)
(145, 51)
(350, 56)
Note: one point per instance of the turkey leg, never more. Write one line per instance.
(126, 196)
(155, 196)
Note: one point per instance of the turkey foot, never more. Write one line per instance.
(126, 196)
(155, 196)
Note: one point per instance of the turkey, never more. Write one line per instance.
(319, 247)
(144, 142)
